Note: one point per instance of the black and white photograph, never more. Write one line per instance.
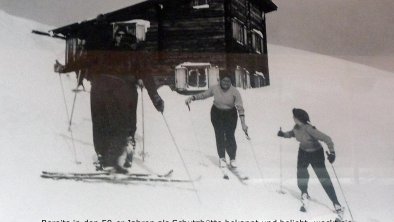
(196, 110)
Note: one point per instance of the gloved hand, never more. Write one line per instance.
(140, 83)
(58, 67)
(330, 157)
(281, 134)
(189, 100)
(158, 103)
(245, 128)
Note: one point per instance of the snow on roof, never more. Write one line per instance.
(188, 64)
(258, 32)
(259, 74)
(124, 13)
(201, 6)
(145, 23)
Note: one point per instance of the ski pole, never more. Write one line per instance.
(180, 155)
(75, 98)
(75, 150)
(254, 155)
(68, 117)
(280, 168)
(194, 131)
(143, 124)
(188, 106)
(64, 97)
(343, 194)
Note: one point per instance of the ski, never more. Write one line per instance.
(237, 173)
(114, 178)
(110, 177)
(227, 169)
(224, 173)
(304, 202)
(339, 213)
(338, 219)
(303, 209)
(106, 173)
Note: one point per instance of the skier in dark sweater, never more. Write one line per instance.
(311, 153)
(227, 102)
(114, 74)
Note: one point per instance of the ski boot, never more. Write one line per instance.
(131, 141)
(222, 163)
(129, 160)
(304, 201)
(233, 164)
(99, 163)
(339, 210)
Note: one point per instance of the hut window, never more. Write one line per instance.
(135, 29)
(239, 31)
(74, 49)
(196, 77)
(257, 41)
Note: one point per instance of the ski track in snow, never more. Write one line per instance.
(348, 101)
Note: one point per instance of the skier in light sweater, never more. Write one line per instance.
(226, 104)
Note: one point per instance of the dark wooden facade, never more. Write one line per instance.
(225, 33)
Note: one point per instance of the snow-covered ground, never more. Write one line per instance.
(348, 101)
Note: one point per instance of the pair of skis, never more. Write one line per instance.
(226, 170)
(112, 177)
(305, 199)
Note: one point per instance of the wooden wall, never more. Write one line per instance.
(184, 34)
(179, 33)
(186, 29)
(251, 15)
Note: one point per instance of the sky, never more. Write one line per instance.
(356, 30)
(62, 12)
(357, 26)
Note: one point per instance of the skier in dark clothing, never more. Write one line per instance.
(125, 45)
(311, 153)
(227, 103)
(114, 73)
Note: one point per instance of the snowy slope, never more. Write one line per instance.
(348, 101)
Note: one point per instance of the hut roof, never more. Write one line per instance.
(124, 14)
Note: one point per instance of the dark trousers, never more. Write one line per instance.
(113, 109)
(224, 123)
(316, 159)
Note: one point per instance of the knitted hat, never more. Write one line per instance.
(301, 115)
